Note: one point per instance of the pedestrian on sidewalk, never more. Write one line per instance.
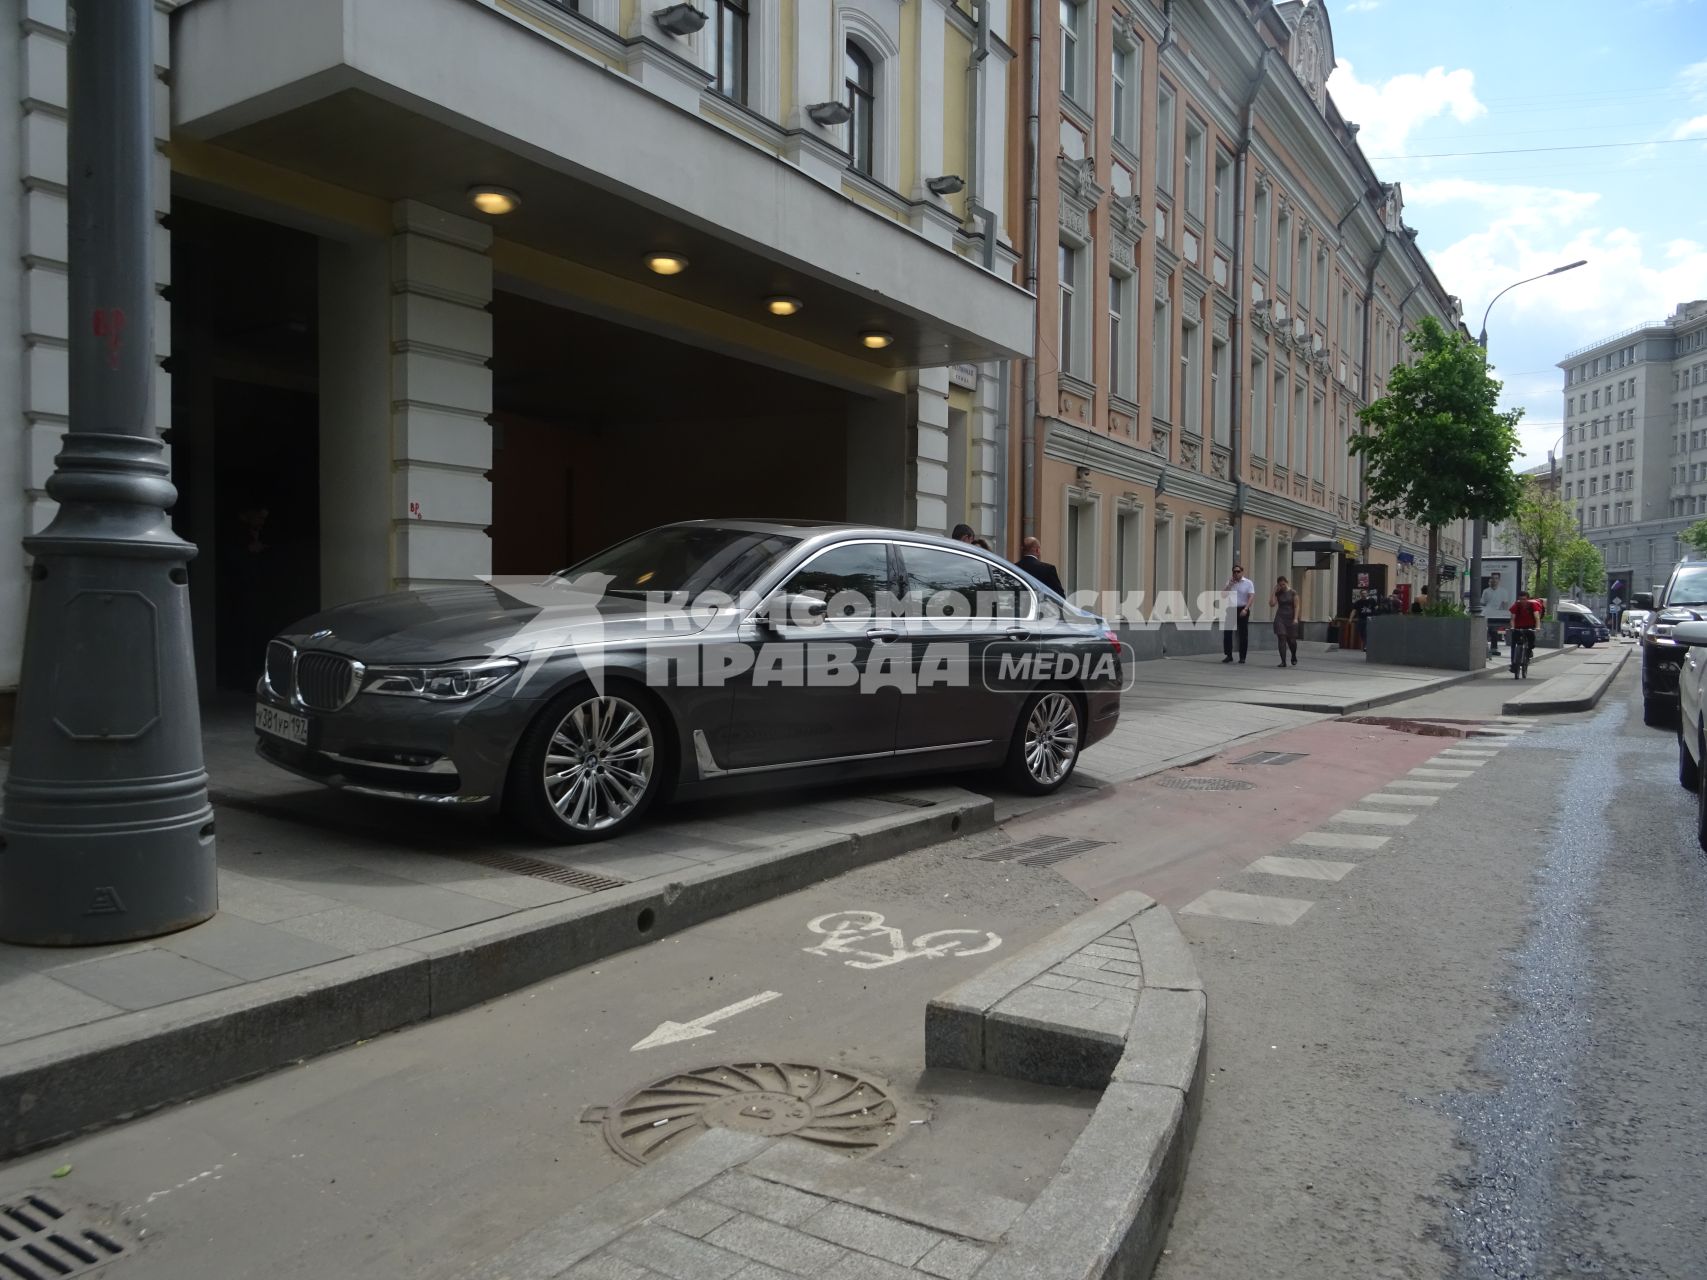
(1032, 561)
(1236, 618)
(1285, 604)
(964, 533)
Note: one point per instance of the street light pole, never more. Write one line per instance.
(107, 831)
(1479, 528)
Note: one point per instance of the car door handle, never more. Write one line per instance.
(883, 635)
(1018, 633)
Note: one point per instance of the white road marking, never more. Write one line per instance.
(1340, 840)
(859, 933)
(1369, 818)
(1415, 784)
(1302, 868)
(1249, 907)
(1481, 753)
(1443, 773)
(671, 1032)
(1382, 797)
(1458, 762)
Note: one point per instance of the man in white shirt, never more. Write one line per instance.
(1238, 594)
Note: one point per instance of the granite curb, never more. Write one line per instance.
(56, 1086)
(1579, 690)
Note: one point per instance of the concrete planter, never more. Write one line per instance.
(1410, 640)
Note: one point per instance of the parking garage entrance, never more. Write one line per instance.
(601, 431)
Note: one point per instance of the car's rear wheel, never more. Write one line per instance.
(1045, 747)
(588, 767)
(1688, 769)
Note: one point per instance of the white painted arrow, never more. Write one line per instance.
(671, 1032)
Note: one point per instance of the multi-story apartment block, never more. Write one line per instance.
(1222, 281)
(458, 287)
(1635, 442)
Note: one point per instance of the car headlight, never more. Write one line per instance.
(440, 684)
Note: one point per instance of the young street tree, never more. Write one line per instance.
(1695, 537)
(1581, 566)
(1437, 450)
(1544, 527)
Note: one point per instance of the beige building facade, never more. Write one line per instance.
(1222, 283)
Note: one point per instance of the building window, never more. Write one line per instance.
(1259, 407)
(1069, 302)
(1121, 381)
(1161, 364)
(1191, 370)
(1223, 197)
(1165, 139)
(1300, 433)
(861, 79)
(1123, 96)
(1194, 175)
(1283, 240)
(1301, 294)
(1280, 422)
(1260, 229)
(1321, 282)
(1072, 50)
(1128, 553)
(731, 36)
(1221, 391)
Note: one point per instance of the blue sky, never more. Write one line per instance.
(1546, 83)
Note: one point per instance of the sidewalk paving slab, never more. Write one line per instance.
(1579, 689)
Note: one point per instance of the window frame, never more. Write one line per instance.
(858, 96)
(726, 12)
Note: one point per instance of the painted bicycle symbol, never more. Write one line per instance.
(876, 945)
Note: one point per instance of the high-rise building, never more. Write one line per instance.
(1635, 447)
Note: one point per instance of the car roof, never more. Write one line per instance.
(825, 530)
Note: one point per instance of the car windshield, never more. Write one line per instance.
(689, 560)
(1690, 588)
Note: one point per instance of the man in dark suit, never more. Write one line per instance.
(1031, 560)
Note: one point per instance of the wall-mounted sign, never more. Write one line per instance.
(964, 375)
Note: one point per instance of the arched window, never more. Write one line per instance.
(861, 79)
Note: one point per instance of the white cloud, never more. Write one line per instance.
(1517, 204)
(1362, 6)
(1389, 112)
(1693, 78)
(1696, 128)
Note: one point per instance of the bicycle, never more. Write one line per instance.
(1520, 643)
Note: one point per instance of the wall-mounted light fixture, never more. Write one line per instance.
(830, 114)
(876, 339)
(782, 305)
(493, 200)
(666, 264)
(679, 19)
(947, 185)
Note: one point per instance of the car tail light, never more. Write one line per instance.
(1113, 637)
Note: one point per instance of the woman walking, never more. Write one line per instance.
(1284, 601)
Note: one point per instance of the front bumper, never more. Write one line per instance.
(453, 754)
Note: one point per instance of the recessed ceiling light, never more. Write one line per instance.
(876, 339)
(667, 264)
(783, 305)
(493, 200)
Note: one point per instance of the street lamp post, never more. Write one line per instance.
(1479, 528)
(107, 833)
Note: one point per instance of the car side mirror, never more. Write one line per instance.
(790, 610)
(1693, 634)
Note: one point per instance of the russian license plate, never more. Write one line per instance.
(281, 724)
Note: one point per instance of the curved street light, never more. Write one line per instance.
(1479, 529)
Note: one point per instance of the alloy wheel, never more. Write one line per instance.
(1051, 738)
(599, 763)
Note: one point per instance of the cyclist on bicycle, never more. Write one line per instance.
(1525, 617)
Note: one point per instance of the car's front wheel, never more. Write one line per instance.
(1045, 747)
(588, 767)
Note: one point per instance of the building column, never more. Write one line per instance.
(441, 395)
(816, 68)
(928, 408)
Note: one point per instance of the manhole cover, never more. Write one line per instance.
(1207, 784)
(1039, 851)
(42, 1239)
(832, 1108)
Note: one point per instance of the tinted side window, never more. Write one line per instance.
(945, 584)
(851, 579)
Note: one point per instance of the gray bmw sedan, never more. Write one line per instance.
(693, 659)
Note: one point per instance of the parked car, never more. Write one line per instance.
(1581, 626)
(1684, 599)
(697, 658)
(1692, 718)
(1631, 622)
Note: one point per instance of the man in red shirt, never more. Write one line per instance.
(1525, 617)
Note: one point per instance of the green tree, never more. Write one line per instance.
(1581, 566)
(1438, 450)
(1543, 526)
(1695, 537)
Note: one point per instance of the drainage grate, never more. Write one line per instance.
(912, 802)
(1272, 757)
(1040, 851)
(540, 869)
(841, 1110)
(40, 1239)
(1208, 784)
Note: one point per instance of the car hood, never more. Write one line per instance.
(446, 624)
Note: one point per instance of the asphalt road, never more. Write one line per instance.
(1480, 1054)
